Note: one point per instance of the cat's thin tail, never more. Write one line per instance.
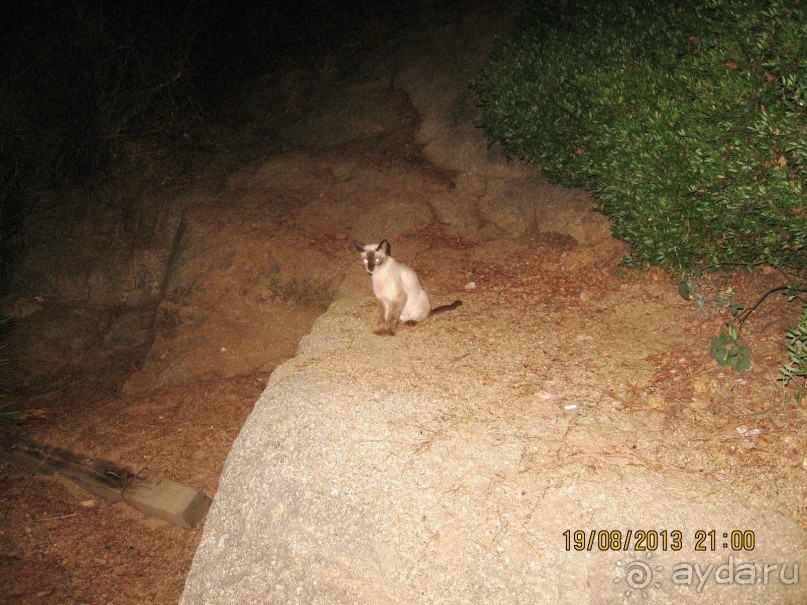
(442, 308)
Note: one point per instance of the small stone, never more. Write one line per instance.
(746, 432)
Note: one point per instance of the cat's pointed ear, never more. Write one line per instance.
(384, 245)
(359, 245)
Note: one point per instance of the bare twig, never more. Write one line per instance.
(747, 312)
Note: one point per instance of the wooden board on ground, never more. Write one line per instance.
(168, 500)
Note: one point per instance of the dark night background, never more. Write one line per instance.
(85, 82)
(87, 67)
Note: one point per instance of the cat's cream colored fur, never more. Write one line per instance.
(397, 288)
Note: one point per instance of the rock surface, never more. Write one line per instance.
(422, 469)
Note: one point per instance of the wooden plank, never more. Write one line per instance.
(168, 500)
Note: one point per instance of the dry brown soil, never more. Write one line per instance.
(249, 282)
(62, 545)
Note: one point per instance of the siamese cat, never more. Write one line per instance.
(397, 288)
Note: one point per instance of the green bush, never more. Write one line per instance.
(796, 350)
(686, 121)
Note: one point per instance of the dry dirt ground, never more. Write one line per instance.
(254, 272)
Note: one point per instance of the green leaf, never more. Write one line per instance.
(727, 352)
